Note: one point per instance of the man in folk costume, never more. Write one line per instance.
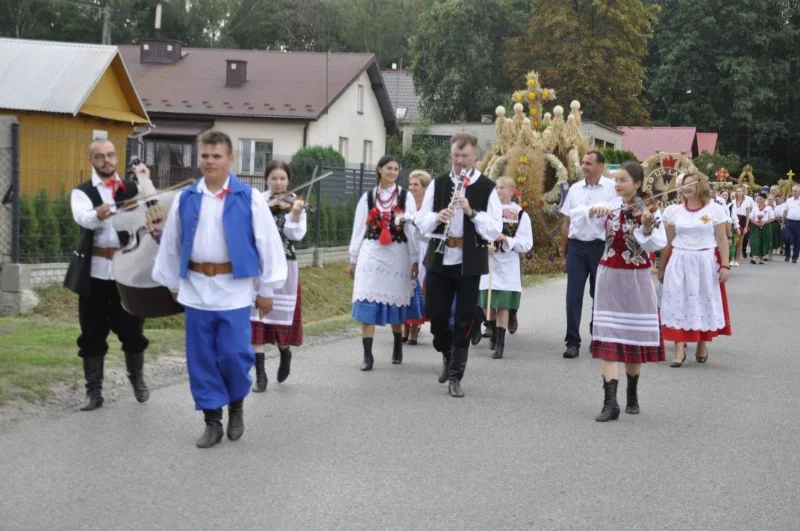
(90, 276)
(465, 223)
(220, 251)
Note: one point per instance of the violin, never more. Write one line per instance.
(641, 204)
(285, 202)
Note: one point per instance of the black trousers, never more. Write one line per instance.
(101, 313)
(583, 258)
(441, 287)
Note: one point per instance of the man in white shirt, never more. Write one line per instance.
(90, 275)
(582, 243)
(792, 219)
(220, 251)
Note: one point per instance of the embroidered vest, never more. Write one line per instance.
(374, 218)
(280, 222)
(237, 221)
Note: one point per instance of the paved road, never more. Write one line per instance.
(716, 445)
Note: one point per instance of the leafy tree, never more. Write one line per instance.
(616, 156)
(590, 51)
(709, 164)
(29, 231)
(455, 51)
(306, 159)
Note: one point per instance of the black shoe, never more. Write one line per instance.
(213, 433)
(573, 351)
(475, 333)
(236, 420)
(678, 364)
(794, 261)
(632, 407)
(93, 373)
(286, 364)
(134, 362)
(412, 342)
(397, 350)
(489, 329)
(610, 406)
(368, 359)
(454, 388)
(445, 369)
(501, 343)
(786, 258)
(261, 374)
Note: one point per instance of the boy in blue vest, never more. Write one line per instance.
(220, 251)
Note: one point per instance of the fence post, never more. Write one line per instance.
(361, 181)
(15, 193)
(317, 216)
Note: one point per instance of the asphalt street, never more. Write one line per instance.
(715, 447)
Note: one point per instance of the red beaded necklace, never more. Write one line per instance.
(385, 204)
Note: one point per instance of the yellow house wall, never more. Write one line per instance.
(54, 149)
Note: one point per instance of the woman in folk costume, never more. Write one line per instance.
(504, 257)
(694, 304)
(384, 260)
(284, 324)
(761, 218)
(418, 181)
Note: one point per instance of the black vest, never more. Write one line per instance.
(79, 272)
(475, 259)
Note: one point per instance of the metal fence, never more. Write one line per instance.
(9, 180)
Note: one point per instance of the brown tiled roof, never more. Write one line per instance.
(286, 85)
(400, 86)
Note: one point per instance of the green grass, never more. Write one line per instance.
(38, 350)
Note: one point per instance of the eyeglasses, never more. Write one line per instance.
(98, 157)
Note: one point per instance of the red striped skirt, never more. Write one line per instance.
(271, 334)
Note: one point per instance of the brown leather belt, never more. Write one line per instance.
(210, 269)
(452, 241)
(104, 252)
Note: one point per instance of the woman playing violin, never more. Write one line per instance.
(283, 325)
(625, 322)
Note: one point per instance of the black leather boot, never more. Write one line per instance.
(93, 373)
(134, 362)
(632, 407)
(368, 359)
(261, 374)
(213, 433)
(445, 374)
(610, 406)
(458, 364)
(493, 340)
(513, 323)
(236, 420)
(286, 364)
(397, 351)
(489, 328)
(501, 343)
(475, 333)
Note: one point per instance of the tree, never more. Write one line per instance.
(455, 51)
(591, 51)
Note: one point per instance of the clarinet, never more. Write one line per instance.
(462, 178)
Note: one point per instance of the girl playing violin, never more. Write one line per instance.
(625, 315)
(283, 325)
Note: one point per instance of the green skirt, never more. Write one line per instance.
(760, 240)
(501, 300)
(776, 235)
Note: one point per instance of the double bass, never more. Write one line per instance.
(139, 223)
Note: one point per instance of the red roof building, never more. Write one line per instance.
(645, 141)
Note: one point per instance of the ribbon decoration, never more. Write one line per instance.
(385, 237)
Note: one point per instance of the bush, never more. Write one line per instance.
(617, 156)
(29, 232)
(709, 164)
(49, 230)
(68, 229)
(306, 159)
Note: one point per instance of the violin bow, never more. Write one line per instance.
(136, 201)
(313, 180)
(653, 198)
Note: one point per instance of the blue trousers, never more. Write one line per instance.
(582, 261)
(218, 356)
(791, 239)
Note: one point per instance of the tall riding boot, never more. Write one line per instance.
(93, 372)
(610, 406)
(368, 359)
(236, 419)
(445, 374)
(490, 326)
(513, 323)
(475, 333)
(261, 374)
(286, 364)
(135, 364)
(493, 340)
(397, 351)
(501, 343)
(213, 433)
(457, 366)
(632, 407)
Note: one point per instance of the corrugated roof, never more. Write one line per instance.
(707, 142)
(50, 76)
(645, 141)
(400, 86)
(289, 85)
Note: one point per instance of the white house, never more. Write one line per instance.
(271, 104)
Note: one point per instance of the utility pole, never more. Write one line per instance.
(107, 23)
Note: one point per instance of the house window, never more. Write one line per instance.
(367, 153)
(165, 155)
(344, 144)
(254, 155)
(361, 99)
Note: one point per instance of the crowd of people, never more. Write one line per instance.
(446, 250)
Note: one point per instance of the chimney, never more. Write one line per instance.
(235, 73)
(160, 51)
